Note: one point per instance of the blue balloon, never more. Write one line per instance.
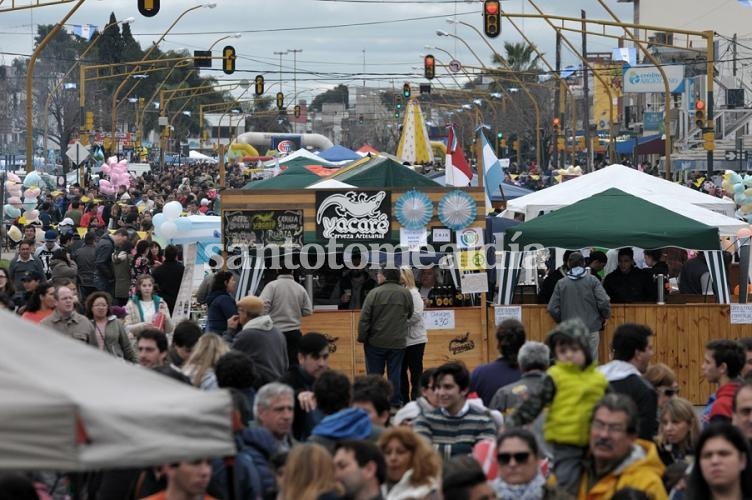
(158, 220)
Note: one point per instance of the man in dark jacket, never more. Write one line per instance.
(168, 276)
(261, 340)
(383, 328)
(628, 283)
(105, 280)
(632, 349)
(86, 260)
(313, 359)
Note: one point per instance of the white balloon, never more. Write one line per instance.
(172, 210)
(168, 230)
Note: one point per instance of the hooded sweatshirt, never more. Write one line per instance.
(266, 345)
(350, 423)
(624, 378)
(580, 295)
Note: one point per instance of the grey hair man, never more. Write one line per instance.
(274, 408)
(533, 359)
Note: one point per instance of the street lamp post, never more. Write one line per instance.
(533, 100)
(29, 78)
(280, 54)
(47, 103)
(146, 56)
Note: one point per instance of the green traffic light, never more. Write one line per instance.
(500, 135)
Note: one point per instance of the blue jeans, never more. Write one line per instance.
(377, 358)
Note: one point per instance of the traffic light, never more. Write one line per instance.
(429, 66)
(499, 141)
(280, 101)
(148, 8)
(708, 141)
(557, 126)
(259, 82)
(398, 103)
(296, 111)
(228, 60)
(492, 18)
(360, 120)
(89, 124)
(700, 113)
(406, 91)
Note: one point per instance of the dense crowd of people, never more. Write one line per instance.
(542, 421)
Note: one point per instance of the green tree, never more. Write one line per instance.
(521, 58)
(339, 94)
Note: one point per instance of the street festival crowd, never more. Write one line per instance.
(542, 421)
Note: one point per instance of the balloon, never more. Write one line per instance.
(15, 201)
(33, 192)
(744, 232)
(30, 203)
(172, 210)
(15, 234)
(748, 192)
(11, 211)
(32, 179)
(106, 169)
(739, 188)
(168, 230)
(739, 198)
(735, 178)
(748, 180)
(14, 178)
(158, 220)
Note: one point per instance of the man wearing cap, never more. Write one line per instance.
(45, 251)
(66, 226)
(29, 282)
(67, 321)
(22, 262)
(259, 338)
(75, 212)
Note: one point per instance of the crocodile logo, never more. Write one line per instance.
(352, 204)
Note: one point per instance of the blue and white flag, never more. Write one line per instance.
(85, 31)
(746, 3)
(492, 172)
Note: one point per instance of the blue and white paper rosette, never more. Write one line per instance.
(414, 210)
(457, 210)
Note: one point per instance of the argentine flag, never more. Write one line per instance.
(492, 172)
(746, 3)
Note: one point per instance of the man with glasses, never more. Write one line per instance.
(618, 459)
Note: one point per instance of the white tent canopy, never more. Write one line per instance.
(67, 406)
(300, 153)
(330, 184)
(196, 155)
(629, 180)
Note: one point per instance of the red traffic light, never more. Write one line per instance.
(429, 66)
(492, 18)
(556, 122)
(699, 104)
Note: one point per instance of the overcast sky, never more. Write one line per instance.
(332, 34)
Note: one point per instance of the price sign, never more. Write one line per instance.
(505, 312)
(439, 320)
(474, 283)
(741, 314)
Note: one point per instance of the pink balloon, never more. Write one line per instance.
(106, 169)
(744, 232)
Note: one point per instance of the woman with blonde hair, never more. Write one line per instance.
(413, 467)
(309, 474)
(678, 431)
(200, 366)
(416, 340)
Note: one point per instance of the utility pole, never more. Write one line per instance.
(557, 100)
(294, 53)
(586, 97)
(280, 54)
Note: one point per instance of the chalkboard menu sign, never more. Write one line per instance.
(282, 228)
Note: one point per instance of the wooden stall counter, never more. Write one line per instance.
(453, 334)
(681, 332)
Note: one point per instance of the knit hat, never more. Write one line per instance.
(571, 331)
(50, 235)
(252, 305)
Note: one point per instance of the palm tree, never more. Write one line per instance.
(522, 58)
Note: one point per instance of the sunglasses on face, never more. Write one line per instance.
(519, 458)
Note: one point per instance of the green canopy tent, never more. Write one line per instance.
(296, 176)
(611, 219)
(382, 172)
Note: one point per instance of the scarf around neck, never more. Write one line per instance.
(530, 491)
